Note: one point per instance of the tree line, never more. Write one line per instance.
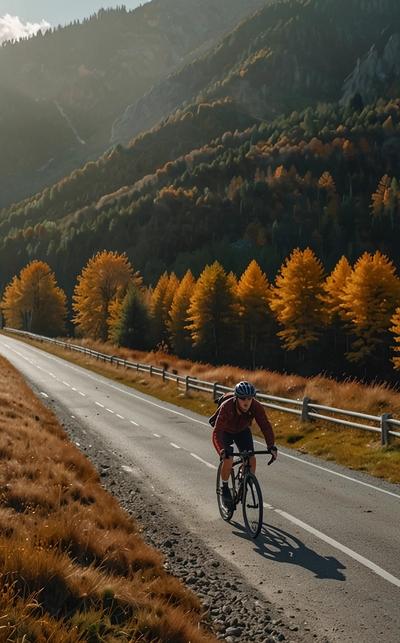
(306, 321)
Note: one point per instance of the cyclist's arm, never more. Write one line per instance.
(222, 424)
(264, 424)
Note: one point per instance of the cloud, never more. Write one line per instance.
(13, 28)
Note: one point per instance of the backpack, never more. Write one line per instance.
(226, 396)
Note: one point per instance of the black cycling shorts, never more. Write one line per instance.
(243, 440)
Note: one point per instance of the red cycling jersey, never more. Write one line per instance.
(230, 420)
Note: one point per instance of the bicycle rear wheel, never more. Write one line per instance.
(226, 512)
(252, 505)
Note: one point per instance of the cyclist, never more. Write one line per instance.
(232, 426)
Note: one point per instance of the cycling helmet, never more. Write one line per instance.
(245, 389)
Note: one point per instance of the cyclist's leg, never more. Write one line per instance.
(244, 442)
(226, 479)
(227, 462)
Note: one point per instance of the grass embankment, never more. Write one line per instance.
(74, 566)
(356, 449)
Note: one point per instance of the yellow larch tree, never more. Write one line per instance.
(334, 286)
(395, 330)
(34, 302)
(213, 313)
(254, 311)
(160, 304)
(332, 300)
(371, 296)
(13, 315)
(296, 300)
(178, 315)
(104, 279)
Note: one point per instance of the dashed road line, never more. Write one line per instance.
(208, 464)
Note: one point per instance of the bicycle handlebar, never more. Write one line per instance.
(248, 454)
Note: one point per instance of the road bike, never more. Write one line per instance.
(245, 489)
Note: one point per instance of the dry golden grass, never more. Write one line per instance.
(74, 566)
(360, 450)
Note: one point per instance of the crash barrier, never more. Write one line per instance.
(308, 410)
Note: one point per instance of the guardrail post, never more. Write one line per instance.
(151, 371)
(304, 410)
(163, 375)
(187, 384)
(385, 428)
(215, 390)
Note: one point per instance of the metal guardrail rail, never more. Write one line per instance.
(306, 408)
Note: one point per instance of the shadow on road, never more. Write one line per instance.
(275, 544)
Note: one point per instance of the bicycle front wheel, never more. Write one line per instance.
(225, 511)
(252, 505)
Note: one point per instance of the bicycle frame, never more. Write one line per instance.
(243, 458)
(245, 490)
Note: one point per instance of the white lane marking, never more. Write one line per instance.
(208, 464)
(134, 423)
(80, 393)
(66, 383)
(156, 435)
(334, 473)
(334, 543)
(175, 446)
(160, 406)
(110, 411)
(120, 416)
(43, 394)
(128, 469)
(101, 405)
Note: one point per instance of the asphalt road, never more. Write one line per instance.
(329, 547)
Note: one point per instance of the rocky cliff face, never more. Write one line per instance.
(375, 73)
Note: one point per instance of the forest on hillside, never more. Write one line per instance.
(325, 179)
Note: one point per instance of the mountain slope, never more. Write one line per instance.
(94, 69)
(35, 137)
(284, 57)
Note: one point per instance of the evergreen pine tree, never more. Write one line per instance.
(131, 330)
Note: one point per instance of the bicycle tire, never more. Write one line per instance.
(252, 505)
(226, 514)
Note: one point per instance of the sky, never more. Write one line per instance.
(21, 18)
